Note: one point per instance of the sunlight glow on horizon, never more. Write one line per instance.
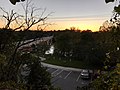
(92, 24)
(93, 27)
(81, 14)
(81, 24)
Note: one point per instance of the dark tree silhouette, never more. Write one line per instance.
(14, 1)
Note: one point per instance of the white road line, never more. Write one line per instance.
(55, 71)
(59, 73)
(78, 78)
(68, 74)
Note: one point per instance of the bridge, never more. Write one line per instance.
(27, 44)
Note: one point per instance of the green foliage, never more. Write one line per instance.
(11, 85)
(64, 43)
(2, 59)
(81, 46)
(108, 81)
(12, 61)
(39, 78)
(117, 9)
(115, 19)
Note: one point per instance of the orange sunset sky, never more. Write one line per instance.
(80, 23)
(82, 14)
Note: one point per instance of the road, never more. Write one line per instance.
(66, 78)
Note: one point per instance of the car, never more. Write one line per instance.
(85, 74)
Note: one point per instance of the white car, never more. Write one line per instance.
(85, 74)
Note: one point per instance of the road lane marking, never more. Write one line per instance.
(53, 82)
(59, 73)
(55, 71)
(68, 74)
(78, 78)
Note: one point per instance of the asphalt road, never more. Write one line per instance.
(66, 79)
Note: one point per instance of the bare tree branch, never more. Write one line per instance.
(10, 17)
(30, 18)
(26, 21)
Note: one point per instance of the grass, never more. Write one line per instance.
(66, 63)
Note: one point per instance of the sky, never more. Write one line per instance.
(82, 14)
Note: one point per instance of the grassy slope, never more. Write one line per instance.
(66, 63)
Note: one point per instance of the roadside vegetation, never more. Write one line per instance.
(66, 63)
(22, 70)
(73, 48)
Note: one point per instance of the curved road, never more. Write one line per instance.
(65, 77)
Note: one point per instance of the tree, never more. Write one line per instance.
(115, 19)
(109, 80)
(62, 43)
(39, 78)
(106, 81)
(11, 18)
(107, 1)
(115, 29)
(11, 58)
(31, 18)
(27, 20)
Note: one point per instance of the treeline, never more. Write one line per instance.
(98, 49)
(26, 34)
(87, 46)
